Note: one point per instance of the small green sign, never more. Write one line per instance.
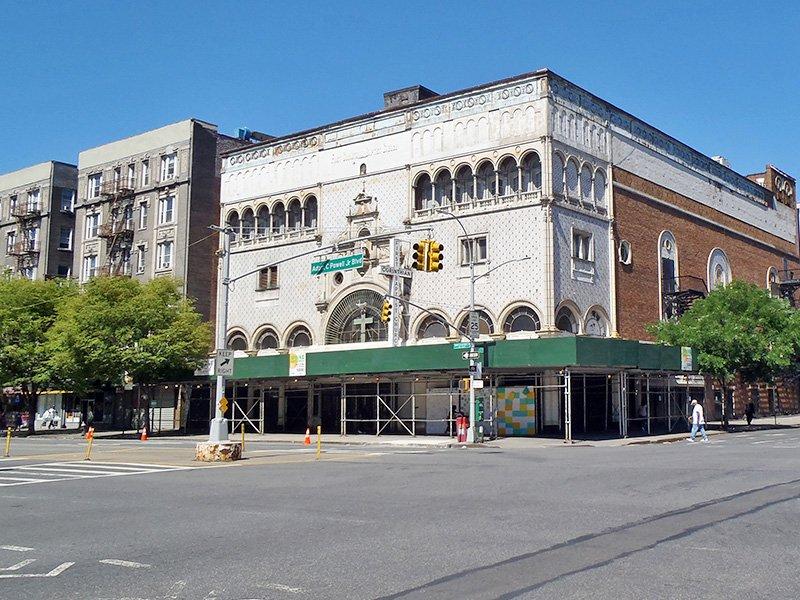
(465, 346)
(342, 263)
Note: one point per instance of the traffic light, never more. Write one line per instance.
(420, 255)
(435, 256)
(386, 311)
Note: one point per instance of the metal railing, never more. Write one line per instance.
(121, 186)
(24, 247)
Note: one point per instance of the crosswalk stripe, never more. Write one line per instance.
(71, 471)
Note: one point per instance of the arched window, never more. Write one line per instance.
(299, 337)
(235, 224)
(310, 213)
(278, 218)
(431, 327)
(522, 318)
(295, 215)
(237, 341)
(267, 340)
(572, 178)
(357, 319)
(484, 321)
(719, 269)
(507, 177)
(486, 180)
(464, 183)
(772, 282)
(586, 184)
(668, 266)
(248, 224)
(531, 173)
(596, 324)
(423, 192)
(443, 187)
(599, 188)
(558, 174)
(566, 321)
(262, 221)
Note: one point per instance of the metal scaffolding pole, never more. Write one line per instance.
(567, 407)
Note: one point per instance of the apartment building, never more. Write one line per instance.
(37, 221)
(144, 204)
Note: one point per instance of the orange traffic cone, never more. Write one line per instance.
(144, 435)
(307, 440)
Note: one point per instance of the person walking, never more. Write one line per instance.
(749, 412)
(698, 422)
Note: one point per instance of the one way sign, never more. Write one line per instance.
(223, 364)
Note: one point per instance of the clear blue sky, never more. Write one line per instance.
(720, 76)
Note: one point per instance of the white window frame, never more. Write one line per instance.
(131, 177)
(141, 258)
(94, 184)
(144, 210)
(92, 227)
(71, 206)
(168, 160)
(162, 210)
(463, 247)
(161, 264)
(11, 240)
(34, 200)
(69, 238)
(145, 172)
(89, 266)
(582, 252)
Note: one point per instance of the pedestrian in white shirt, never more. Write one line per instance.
(698, 421)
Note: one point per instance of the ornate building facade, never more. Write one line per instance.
(521, 175)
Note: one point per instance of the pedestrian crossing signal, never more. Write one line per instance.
(420, 255)
(435, 256)
(223, 404)
(386, 311)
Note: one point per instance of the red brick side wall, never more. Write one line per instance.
(751, 252)
(641, 220)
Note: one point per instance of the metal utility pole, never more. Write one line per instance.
(219, 424)
(472, 432)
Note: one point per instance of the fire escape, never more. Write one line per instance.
(118, 230)
(26, 248)
(680, 293)
(786, 286)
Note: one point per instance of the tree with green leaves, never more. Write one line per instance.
(737, 329)
(27, 314)
(120, 327)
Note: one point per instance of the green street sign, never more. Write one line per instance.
(461, 346)
(342, 263)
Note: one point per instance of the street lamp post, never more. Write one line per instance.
(472, 432)
(219, 424)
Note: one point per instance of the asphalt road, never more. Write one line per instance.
(718, 520)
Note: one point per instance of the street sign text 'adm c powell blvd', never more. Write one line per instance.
(342, 263)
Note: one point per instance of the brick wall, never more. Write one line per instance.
(640, 217)
(642, 210)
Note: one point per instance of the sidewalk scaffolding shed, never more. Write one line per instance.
(564, 386)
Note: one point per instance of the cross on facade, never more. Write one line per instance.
(362, 322)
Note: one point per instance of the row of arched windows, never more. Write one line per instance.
(267, 339)
(486, 181)
(521, 318)
(268, 221)
(579, 181)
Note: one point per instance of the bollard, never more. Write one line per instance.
(242, 438)
(8, 443)
(319, 440)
